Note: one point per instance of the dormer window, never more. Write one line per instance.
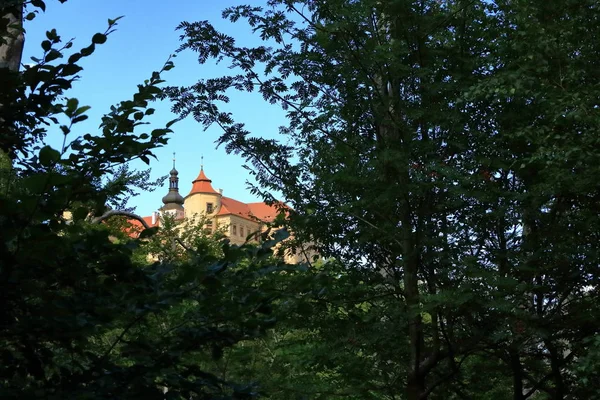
(209, 208)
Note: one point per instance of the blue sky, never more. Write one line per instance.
(144, 39)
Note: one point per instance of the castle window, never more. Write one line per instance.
(209, 208)
(241, 231)
(234, 229)
(208, 228)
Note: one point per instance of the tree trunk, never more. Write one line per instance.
(415, 381)
(555, 363)
(415, 388)
(11, 49)
(12, 39)
(517, 370)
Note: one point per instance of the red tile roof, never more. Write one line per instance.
(230, 206)
(136, 226)
(251, 211)
(202, 184)
(263, 211)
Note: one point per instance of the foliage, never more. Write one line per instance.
(128, 184)
(80, 317)
(446, 148)
(587, 370)
(190, 233)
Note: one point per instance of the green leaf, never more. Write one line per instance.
(52, 36)
(35, 183)
(112, 22)
(53, 55)
(99, 38)
(71, 69)
(81, 110)
(86, 51)
(160, 132)
(48, 156)
(79, 119)
(46, 45)
(72, 104)
(80, 213)
(73, 58)
(39, 4)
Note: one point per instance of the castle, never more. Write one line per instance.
(241, 221)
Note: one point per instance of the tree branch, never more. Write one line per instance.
(127, 214)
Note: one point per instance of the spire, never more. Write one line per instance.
(202, 184)
(173, 197)
(174, 171)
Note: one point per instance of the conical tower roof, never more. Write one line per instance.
(202, 184)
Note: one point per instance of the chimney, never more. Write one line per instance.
(154, 217)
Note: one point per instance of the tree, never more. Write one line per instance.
(80, 317)
(427, 144)
(538, 97)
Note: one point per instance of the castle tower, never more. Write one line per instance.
(202, 199)
(173, 202)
